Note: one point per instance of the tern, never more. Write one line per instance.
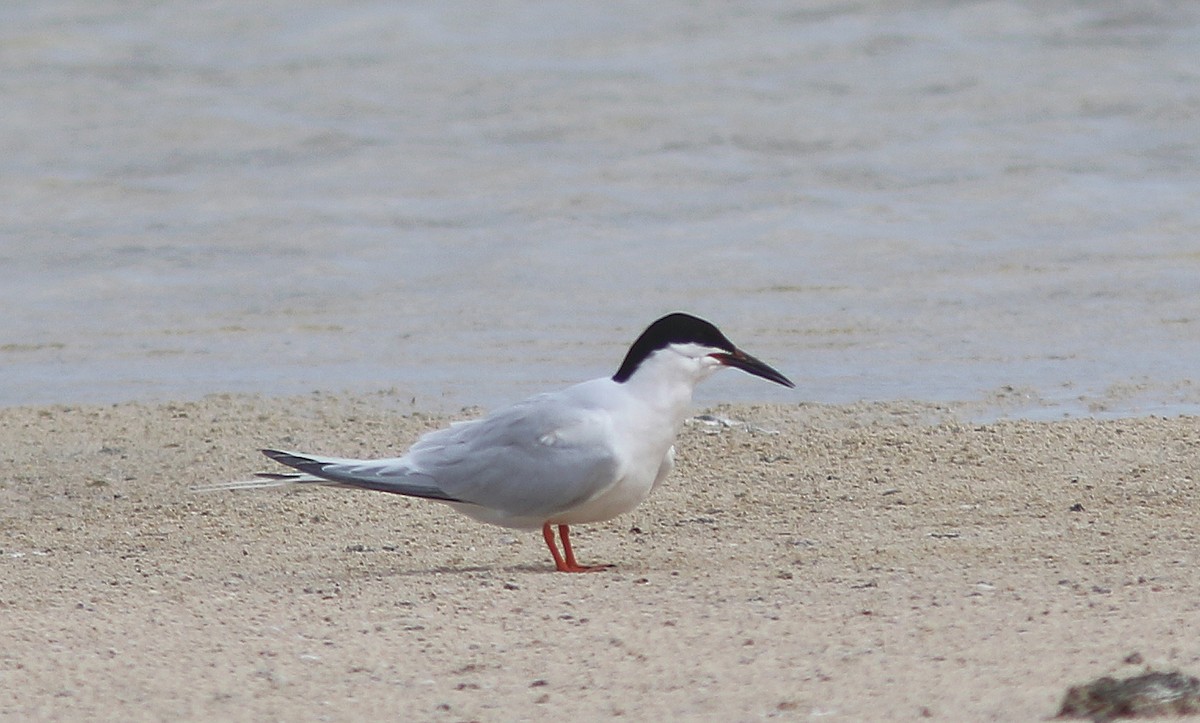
(587, 453)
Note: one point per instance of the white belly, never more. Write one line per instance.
(624, 495)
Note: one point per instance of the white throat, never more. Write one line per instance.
(666, 379)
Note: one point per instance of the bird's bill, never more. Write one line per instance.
(741, 360)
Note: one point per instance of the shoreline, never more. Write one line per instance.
(1006, 403)
(860, 561)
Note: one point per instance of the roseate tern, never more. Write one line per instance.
(587, 453)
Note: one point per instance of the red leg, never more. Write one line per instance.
(564, 534)
(548, 535)
(565, 561)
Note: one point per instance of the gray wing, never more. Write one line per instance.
(539, 457)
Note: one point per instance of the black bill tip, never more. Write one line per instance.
(741, 360)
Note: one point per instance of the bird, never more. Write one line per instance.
(584, 454)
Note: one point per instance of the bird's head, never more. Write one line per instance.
(682, 344)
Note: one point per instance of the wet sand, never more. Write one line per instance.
(842, 562)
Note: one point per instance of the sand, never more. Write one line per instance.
(843, 563)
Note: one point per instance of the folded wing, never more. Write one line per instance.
(533, 459)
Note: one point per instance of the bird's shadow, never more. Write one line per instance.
(454, 570)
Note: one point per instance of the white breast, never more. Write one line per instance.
(645, 437)
(625, 494)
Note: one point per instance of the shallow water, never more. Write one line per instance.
(992, 202)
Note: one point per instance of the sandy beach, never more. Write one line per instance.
(834, 562)
(995, 202)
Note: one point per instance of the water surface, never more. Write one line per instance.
(469, 202)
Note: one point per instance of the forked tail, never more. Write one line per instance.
(383, 475)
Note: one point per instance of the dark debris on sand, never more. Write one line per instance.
(1152, 694)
